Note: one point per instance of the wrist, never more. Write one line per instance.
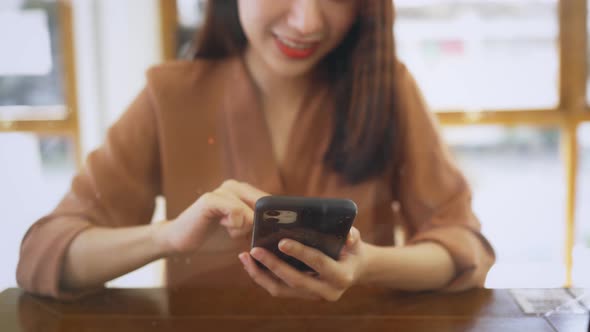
(368, 263)
(160, 235)
(383, 266)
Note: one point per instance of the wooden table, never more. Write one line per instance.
(240, 309)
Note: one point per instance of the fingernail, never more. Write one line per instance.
(255, 253)
(242, 258)
(285, 244)
(354, 234)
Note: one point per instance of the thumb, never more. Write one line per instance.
(354, 238)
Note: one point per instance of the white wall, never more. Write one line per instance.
(116, 42)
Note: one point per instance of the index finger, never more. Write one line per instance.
(245, 192)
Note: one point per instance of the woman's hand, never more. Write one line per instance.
(231, 205)
(333, 277)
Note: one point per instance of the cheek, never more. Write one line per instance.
(248, 16)
(257, 16)
(340, 24)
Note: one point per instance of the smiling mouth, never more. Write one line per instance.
(295, 49)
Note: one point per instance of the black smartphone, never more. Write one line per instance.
(321, 223)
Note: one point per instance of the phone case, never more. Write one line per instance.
(321, 223)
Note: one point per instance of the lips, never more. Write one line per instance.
(296, 49)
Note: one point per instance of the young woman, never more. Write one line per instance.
(291, 97)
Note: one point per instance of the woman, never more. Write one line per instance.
(294, 97)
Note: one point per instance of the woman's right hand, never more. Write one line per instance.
(230, 205)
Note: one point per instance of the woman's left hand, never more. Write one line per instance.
(333, 277)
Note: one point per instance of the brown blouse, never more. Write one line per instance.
(198, 123)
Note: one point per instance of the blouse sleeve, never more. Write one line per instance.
(434, 195)
(116, 188)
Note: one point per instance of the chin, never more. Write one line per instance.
(292, 70)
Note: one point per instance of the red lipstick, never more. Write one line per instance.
(296, 52)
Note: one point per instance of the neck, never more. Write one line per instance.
(275, 88)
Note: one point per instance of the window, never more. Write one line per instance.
(476, 55)
(31, 69)
(190, 17)
(510, 202)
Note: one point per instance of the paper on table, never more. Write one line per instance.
(25, 46)
(547, 301)
(583, 296)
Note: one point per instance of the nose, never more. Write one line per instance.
(306, 17)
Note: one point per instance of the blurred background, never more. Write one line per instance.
(507, 79)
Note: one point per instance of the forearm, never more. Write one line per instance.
(424, 266)
(98, 255)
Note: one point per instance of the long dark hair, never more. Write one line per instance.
(366, 138)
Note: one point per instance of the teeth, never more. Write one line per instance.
(295, 45)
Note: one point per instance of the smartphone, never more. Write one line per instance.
(321, 223)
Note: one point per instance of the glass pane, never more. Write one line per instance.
(481, 54)
(31, 81)
(588, 69)
(581, 272)
(35, 173)
(190, 17)
(518, 183)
